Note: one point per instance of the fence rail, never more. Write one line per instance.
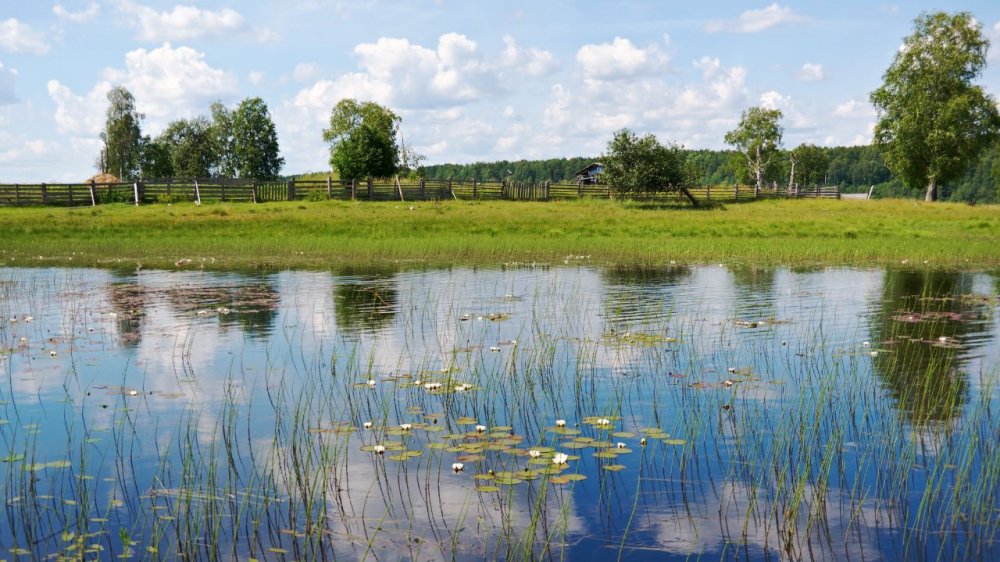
(247, 190)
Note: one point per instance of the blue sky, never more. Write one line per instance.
(472, 80)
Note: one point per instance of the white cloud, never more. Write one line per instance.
(533, 62)
(854, 109)
(620, 59)
(79, 115)
(306, 71)
(26, 150)
(167, 84)
(755, 21)
(7, 78)
(82, 16)
(17, 37)
(811, 72)
(255, 77)
(186, 23)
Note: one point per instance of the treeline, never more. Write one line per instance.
(852, 168)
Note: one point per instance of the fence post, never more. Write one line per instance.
(354, 189)
(222, 190)
(253, 190)
(422, 188)
(838, 191)
(475, 185)
(170, 181)
(17, 195)
(329, 187)
(371, 188)
(93, 196)
(45, 195)
(708, 192)
(450, 192)
(736, 191)
(817, 191)
(135, 192)
(548, 190)
(70, 187)
(290, 188)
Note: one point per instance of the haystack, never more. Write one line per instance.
(102, 178)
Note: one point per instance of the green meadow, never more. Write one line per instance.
(323, 233)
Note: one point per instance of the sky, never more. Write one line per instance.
(472, 80)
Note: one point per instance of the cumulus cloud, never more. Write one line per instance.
(186, 23)
(26, 150)
(306, 71)
(18, 37)
(167, 83)
(994, 33)
(81, 16)
(855, 109)
(755, 21)
(7, 78)
(530, 61)
(811, 72)
(620, 59)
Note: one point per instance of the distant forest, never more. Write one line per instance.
(854, 169)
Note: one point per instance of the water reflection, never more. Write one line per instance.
(761, 440)
(924, 330)
(365, 301)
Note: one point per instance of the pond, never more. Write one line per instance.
(519, 412)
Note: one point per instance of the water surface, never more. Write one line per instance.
(713, 412)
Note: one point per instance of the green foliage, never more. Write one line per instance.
(193, 153)
(316, 195)
(933, 122)
(222, 138)
(758, 139)
(637, 165)
(122, 136)
(255, 142)
(554, 170)
(156, 161)
(362, 137)
(810, 165)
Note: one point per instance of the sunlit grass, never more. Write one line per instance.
(321, 234)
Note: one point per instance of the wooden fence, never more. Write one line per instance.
(248, 190)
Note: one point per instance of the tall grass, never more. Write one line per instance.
(321, 234)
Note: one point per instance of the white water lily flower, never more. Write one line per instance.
(480, 428)
(133, 392)
(560, 423)
(728, 383)
(874, 354)
(406, 426)
(52, 353)
(603, 421)
(642, 441)
(620, 445)
(560, 458)
(367, 425)
(534, 453)
(866, 344)
(457, 467)
(495, 349)
(371, 382)
(379, 449)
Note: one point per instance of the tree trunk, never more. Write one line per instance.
(758, 170)
(931, 191)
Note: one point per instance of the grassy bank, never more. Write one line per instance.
(322, 234)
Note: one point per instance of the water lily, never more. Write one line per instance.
(480, 428)
(52, 353)
(560, 423)
(406, 426)
(728, 382)
(367, 425)
(457, 467)
(560, 458)
(379, 449)
(866, 344)
(534, 453)
(495, 349)
(371, 382)
(620, 445)
(642, 441)
(133, 392)
(874, 354)
(603, 421)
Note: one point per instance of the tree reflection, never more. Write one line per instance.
(925, 327)
(639, 294)
(129, 300)
(365, 300)
(753, 291)
(251, 306)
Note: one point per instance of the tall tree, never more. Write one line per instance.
(635, 165)
(362, 137)
(222, 138)
(758, 139)
(933, 121)
(122, 136)
(156, 161)
(193, 152)
(808, 164)
(255, 141)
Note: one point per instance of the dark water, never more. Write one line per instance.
(711, 412)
